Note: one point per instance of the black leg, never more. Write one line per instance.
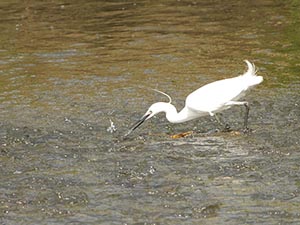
(226, 126)
(246, 129)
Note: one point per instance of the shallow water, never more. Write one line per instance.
(69, 71)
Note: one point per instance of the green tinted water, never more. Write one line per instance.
(67, 69)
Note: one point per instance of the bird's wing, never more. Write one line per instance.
(212, 97)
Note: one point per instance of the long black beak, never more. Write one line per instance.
(138, 123)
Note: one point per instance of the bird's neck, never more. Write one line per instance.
(173, 116)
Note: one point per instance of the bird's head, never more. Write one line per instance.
(153, 110)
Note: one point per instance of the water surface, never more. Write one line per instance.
(70, 69)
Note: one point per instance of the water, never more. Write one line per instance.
(74, 76)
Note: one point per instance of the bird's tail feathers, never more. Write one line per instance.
(251, 75)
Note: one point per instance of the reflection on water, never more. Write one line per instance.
(74, 76)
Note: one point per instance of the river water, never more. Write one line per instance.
(75, 75)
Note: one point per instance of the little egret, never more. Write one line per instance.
(207, 100)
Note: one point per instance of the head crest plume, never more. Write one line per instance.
(170, 99)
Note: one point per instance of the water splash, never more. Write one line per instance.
(112, 128)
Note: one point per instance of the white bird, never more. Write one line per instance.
(207, 100)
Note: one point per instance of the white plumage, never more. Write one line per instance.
(208, 99)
